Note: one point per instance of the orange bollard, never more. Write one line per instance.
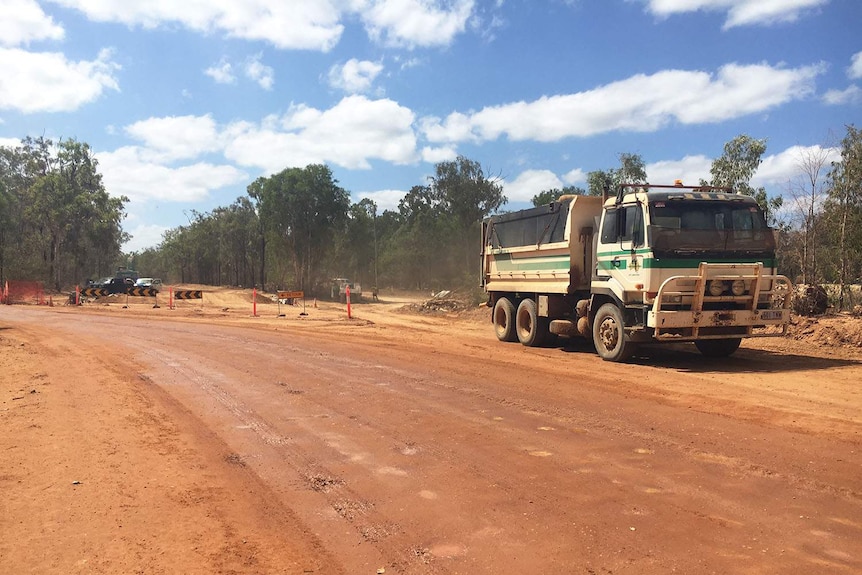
(254, 302)
(347, 296)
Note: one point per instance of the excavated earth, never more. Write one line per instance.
(240, 437)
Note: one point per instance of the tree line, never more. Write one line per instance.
(297, 228)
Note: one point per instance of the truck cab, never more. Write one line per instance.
(689, 264)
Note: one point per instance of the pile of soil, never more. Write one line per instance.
(444, 302)
(840, 330)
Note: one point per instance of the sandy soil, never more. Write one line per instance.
(208, 439)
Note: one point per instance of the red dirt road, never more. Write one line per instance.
(202, 440)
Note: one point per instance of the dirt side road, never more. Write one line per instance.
(197, 441)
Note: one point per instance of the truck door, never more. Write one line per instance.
(621, 254)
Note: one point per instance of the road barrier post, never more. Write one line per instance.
(254, 302)
(170, 298)
(347, 294)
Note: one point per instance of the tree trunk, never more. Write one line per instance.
(842, 272)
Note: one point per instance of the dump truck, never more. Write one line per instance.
(651, 264)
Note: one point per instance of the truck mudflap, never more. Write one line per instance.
(722, 301)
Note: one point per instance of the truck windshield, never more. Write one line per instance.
(681, 228)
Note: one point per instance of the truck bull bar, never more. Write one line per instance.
(685, 308)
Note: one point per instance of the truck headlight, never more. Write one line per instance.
(716, 288)
(738, 287)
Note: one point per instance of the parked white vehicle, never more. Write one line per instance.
(149, 282)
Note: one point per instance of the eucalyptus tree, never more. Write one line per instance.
(239, 237)
(736, 167)
(422, 245)
(547, 196)
(303, 209)
(845, 209)
(468, 196)
(255, 192)
(808, 192)
(357, 246)
(65, 221)
(632, 170)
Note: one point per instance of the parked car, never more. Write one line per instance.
(149, 283)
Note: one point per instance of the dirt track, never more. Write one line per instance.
(203, 440)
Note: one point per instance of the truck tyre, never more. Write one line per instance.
(504, 320)
(718, 347)
(532, 329)
(609, 334)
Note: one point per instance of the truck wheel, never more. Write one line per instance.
(609, 334)
(718, 347)
(504, 320)
(532, 329)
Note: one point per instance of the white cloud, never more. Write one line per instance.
(739, 12)
(850, 95)
(298, 24)
(434, 155)
(176, 137)
(259, 72)
(486, 26)
(457, 127)
(385, 199)
(642, 103)
(411, 23)
(576, 176)
(222, 72)
(855, 70)
(9, 142)
(530, 183)
(354, 76)
(784, 166)
(350, 134)
(409, 63)
(24, 21)
(690, 169)
(253, 69)
(144, 236)
(130, 171)
(48, 82)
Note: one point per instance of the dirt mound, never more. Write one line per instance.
(447, 303)
(832, 331)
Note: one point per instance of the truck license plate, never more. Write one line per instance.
(771, 314)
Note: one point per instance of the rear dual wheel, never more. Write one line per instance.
(532, 330)
(503, 318)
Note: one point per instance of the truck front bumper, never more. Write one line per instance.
(762, 310)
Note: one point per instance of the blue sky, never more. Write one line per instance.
(186, 103)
